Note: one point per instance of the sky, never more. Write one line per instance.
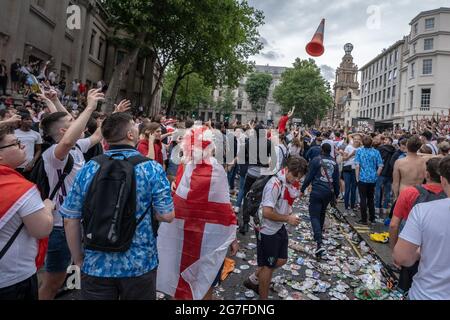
(370, 25)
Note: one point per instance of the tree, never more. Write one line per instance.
(225, 105)
(257, 88)
(304, 88)
(192, 92)
(212, 38)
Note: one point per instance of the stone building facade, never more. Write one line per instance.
(37, 30)
(346, 92)
(410, 79)
(243, 110)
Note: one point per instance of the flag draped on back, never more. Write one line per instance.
(193, 247)
(14, 189)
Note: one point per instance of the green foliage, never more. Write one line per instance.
(304, 88)
(192, 91)
(210, 37)
(257, 88)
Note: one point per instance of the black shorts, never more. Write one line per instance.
(271, 248)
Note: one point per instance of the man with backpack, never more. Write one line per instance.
(258, 151)
(55, 174)
(323, 174)
(410, 197)
(275, 211)
(24, 219)
(119, 197)
(383, 187)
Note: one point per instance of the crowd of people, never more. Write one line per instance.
(140, 204)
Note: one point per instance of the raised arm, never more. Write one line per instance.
(77, 128)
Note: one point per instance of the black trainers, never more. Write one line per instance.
(244, 228)
(319, 251)
(362, 222)
(251, 286)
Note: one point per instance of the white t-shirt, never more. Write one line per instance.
(282, 152)
(276, 195)
(428, 226)
(53, 167)
(29, 139)
(18, 264)
(350, 162)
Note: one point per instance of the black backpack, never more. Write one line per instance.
(39, 177)
(427, 196)
(109, 210)
(253, 198)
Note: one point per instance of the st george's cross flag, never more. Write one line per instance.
(193, 247)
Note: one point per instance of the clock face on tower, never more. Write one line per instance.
(348, 48)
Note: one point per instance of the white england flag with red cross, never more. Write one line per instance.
(193, 247)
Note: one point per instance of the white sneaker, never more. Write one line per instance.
(236, 209)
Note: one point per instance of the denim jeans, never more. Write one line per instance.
(383, 183)
(241, 194)
(231, 176)
(350, 189)
(318, 204)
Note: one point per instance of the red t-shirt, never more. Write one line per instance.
(282, 124)
(143, 149)
(408, 197)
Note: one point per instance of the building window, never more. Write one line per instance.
(428, 44)
(239, 105)
(416, 28)
(378, 115)
(411, 99)
(429, 24)
(382, 112)
(396, 55)
(119, 57)
(387, 110)
(425, 99)
(393, 109)
(427, 66)
(395, 73)
(41, 3)
(413, 66)
(92, 44)
(384, 95)
(389, 93)
(414, 47)
(390, 76)
(100, 50)
(393, 91)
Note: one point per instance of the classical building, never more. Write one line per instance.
(425, 71)
(36, 30)
(243, 110)
(380, 88)
(346, 92)
(410, 79)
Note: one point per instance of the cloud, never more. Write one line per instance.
(271, 55)
(328, 72)
(292, 23)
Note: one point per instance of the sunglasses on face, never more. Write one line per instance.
(17, 143)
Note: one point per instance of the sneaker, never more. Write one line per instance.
(236, 210)
(362, 222)
(251, 286)
(319, 252)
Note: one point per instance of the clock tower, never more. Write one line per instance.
(346, 90)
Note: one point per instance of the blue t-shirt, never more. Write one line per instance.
(369, 160)
(142, 256)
